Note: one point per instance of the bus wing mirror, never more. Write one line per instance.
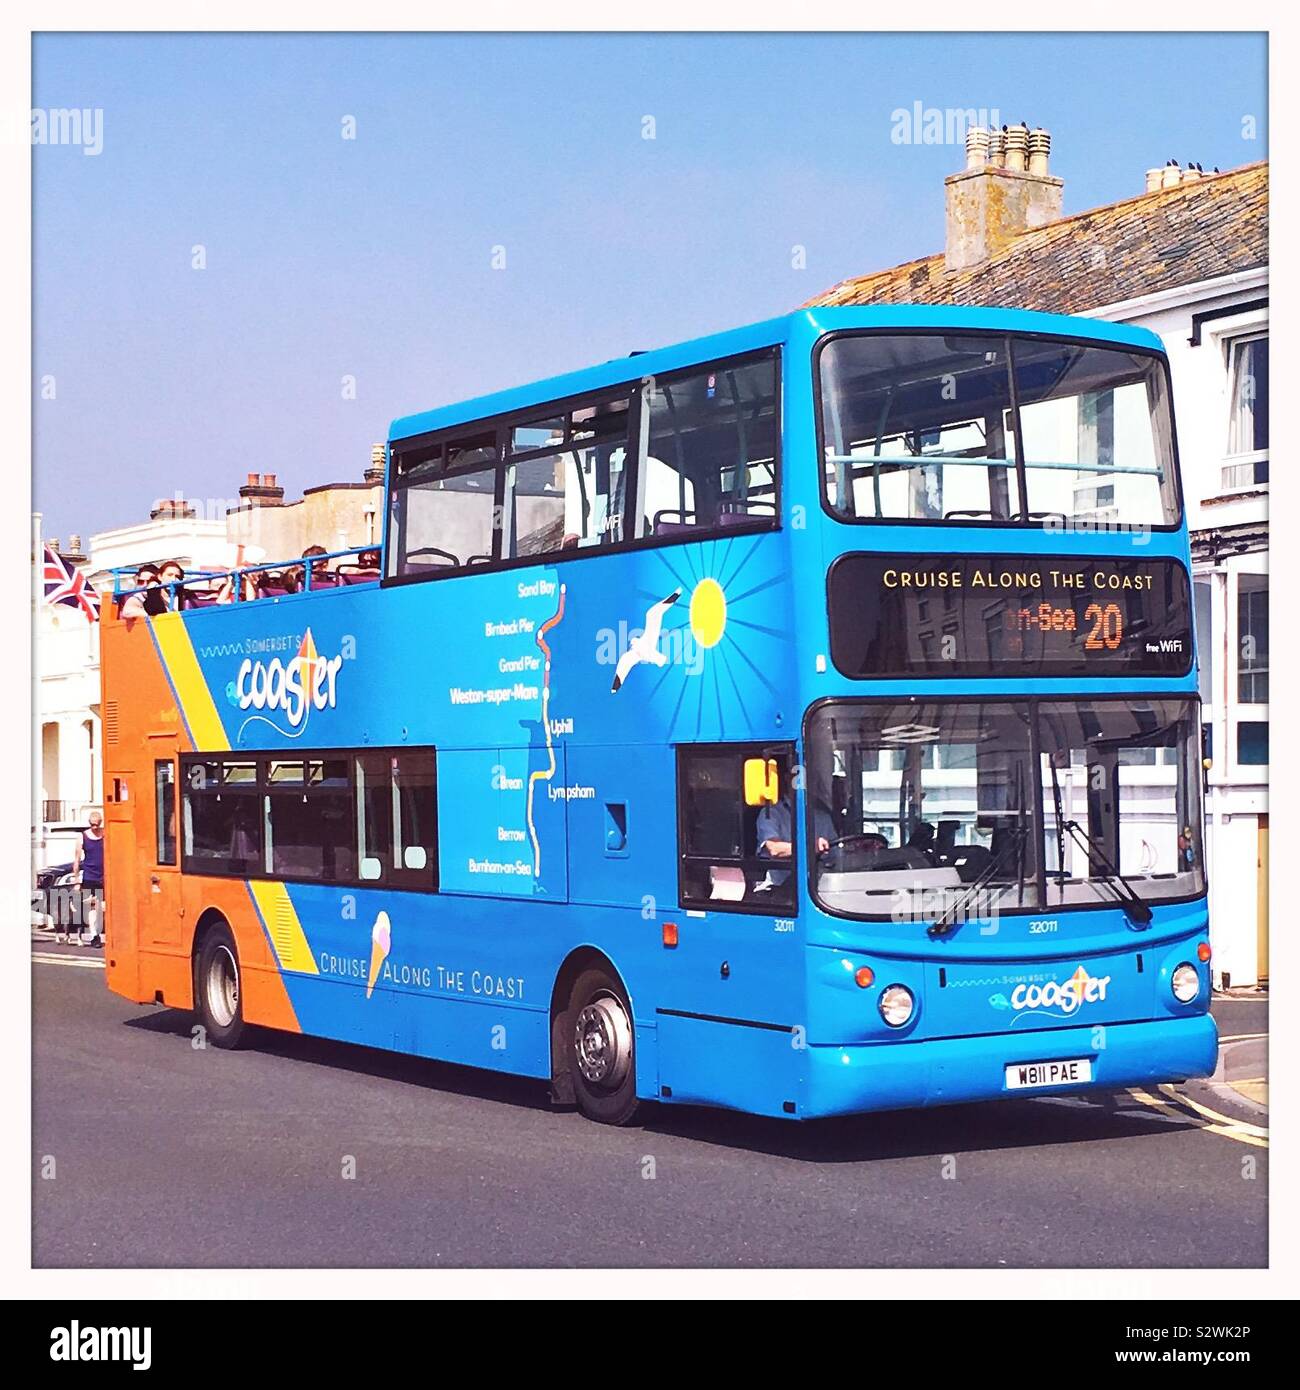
(762, 783)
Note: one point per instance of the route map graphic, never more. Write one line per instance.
(544, 775)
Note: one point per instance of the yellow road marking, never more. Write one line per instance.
(1255, 1089)
(1230, 1129)
(1205, 1110)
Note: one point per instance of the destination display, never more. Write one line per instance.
(998, 615)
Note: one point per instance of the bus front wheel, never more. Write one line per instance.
(602, 1048)
(216, 988)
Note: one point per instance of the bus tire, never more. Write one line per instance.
(216, 987)
(601, 1048)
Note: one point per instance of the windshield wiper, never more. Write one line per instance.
(950, 919)
(1060, 825)
(1136, 908)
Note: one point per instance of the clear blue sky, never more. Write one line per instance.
(372, 257)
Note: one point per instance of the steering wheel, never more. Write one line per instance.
(867, 839)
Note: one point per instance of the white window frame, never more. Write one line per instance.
(1228, 336)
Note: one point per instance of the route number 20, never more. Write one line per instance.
(1107, 626)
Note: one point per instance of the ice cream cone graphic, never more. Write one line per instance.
(381, 942)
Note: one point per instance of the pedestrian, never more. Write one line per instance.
(88, 870)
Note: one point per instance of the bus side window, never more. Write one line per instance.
(733, 854)
(712, 448)
(165, 811)
(443, 506)
(564, 483)
(396, 811)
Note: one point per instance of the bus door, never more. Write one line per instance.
(120, 869)
(158, 882)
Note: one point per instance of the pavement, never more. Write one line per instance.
(300, 1152)
(1242, 1074)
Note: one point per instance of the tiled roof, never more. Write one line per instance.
(1195, 231)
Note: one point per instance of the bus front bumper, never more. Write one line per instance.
(946, 1071)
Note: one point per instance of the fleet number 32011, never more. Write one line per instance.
(1043, 924)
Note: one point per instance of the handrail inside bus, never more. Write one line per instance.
(236, 576)
(874, 461)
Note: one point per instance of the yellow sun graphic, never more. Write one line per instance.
(708, 612)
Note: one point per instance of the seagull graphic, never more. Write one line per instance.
(645, 646)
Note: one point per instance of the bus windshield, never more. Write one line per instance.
(964, 427)
(1047, 804)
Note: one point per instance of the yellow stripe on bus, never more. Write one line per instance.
(288, 940)
(187, 680)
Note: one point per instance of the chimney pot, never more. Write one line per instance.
(261, 490)
(977, 147)
(1154, 177)
(1018, 148)
(1171, 175)
(375, 473)
(998, 195)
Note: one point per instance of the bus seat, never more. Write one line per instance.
(663, 526)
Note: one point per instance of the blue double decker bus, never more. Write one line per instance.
(801, 720)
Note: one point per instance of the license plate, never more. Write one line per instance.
(1024, 1076)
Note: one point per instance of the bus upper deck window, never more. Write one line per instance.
(917, 426)
(712, 456)
(443, 506)
(928, 427)
(1095, 434)
(565, 480)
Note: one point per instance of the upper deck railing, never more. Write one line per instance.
(270, 579)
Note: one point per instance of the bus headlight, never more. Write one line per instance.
(1185, 983)
(896, 1005)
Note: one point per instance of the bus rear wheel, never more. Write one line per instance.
(602, 1048)
(216, 988)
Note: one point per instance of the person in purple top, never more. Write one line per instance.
(88, 866)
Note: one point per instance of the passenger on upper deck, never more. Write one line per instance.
(322, 577)
(149, 599)
(172, 573)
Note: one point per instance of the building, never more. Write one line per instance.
(339, 516)
(1187, 257)
(67, 650)
(260, 525)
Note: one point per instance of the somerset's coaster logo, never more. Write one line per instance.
(1063, 996)
(305, 682)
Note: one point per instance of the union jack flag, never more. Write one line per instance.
(70, 586)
